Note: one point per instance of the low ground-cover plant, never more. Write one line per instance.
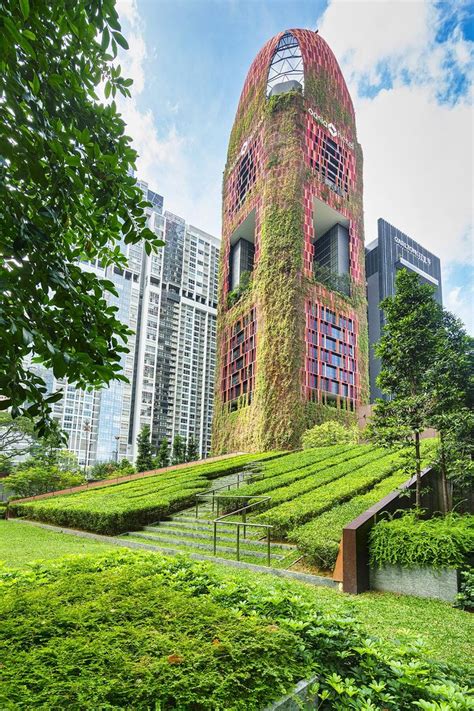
(303, 508)
(75, 637)
(123, 507)
(409, 541)
(329, 433)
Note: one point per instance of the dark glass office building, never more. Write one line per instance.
(391, 251)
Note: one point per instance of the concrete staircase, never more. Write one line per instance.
(184, 532)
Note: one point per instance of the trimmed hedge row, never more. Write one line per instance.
(303, 458)
(296, 512)
(269, 484)
(321, 477)
(319, 539)
(123, 507)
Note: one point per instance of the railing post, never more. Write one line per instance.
(244, 517)
(268, 547)
(215, 538)
(238, 541)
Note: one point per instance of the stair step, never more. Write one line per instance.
(186, 533)
(203, 546)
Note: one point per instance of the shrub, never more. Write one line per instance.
(40, 480)
(465, 599)
(330, 433)
(408, 541)
(3, 510)
(73, 635)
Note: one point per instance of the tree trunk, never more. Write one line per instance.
(444, 479)
(418, 470)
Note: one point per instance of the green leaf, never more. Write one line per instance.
(35, 85)
(105, 39)
(25, 8)
(120, 39)
(107, 90)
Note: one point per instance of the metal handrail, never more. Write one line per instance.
(243, 512)
(211, 493)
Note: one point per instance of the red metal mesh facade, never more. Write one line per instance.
(238, 371)
(331, 336)
(331, 364)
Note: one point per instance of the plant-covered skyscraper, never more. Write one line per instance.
(292, 327)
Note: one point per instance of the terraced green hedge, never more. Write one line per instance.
(319, 538)
(301, 509)
(319, 463)
(323, 474)
(123, 507)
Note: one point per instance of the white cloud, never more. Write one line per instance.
(460, 300)
(417, 149)
(166, 157)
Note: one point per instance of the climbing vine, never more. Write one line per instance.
(277, 413)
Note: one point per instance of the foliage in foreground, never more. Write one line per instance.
(66, 194)
(330, 433)
(411, 542)
(75, 636)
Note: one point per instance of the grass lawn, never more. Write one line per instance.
(21, 543)
(447, 632)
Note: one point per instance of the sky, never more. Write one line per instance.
(408, 66)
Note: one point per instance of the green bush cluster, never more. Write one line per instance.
(319, 539)
(328, 433)
(3, 510)
(408, 541)
(123, 507)
(465, 598)
(142, 631)
(40, 480)
(302, 508)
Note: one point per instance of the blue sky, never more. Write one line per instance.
(407, 64)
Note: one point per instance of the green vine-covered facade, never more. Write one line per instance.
(292, 351)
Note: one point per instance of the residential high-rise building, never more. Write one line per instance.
(169, 300)
(391, 251)
(292, 339)
(174, 384)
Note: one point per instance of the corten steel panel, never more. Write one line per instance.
(253, 163)
(355, 536)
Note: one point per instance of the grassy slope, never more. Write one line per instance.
(446, 631)
(21, 543)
